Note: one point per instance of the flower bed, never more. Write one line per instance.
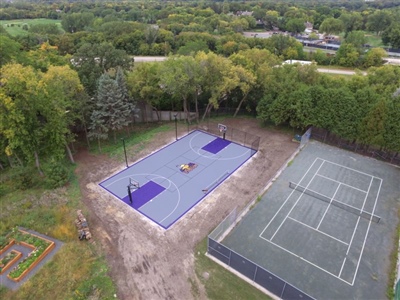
(7, 261)
(7, 246)
(40, 248)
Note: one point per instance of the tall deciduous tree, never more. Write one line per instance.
(92, 60)
(143, 85)
(379, 21)
(331, 25)
(181, 77)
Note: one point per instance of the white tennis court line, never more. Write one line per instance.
(283, 204)
(349, 245)
(294, 205)
(329, 205)
(355, 228)
(369, 225)
(342, 183)
(352, 169)
(316, 229)
(303, 259)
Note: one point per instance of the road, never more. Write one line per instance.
(393, 61)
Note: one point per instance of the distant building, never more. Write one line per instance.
(244, 13)
(309, 27)
(295, 61)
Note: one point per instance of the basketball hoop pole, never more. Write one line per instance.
(223, 135)
(129, 194)
(126, 159)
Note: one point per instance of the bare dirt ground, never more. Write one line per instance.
(147, 262)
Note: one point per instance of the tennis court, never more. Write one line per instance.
(168, 183)
(325, 226)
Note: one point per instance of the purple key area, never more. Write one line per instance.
(144, 194)
(216, 145)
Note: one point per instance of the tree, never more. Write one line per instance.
(271, 19)
(392, 125)
(347, 55)
(295, 25)
(181, 77)
(374, 57)
(63, 90)
(379, 21)
(44, 29)
(357, 39)
(391, 36)
(191, 48)
(112, 112)
(122, 88)
(9, 49)
(143, 84)
(352, 21)
(91, 60)
(76, 21)
(331, 26)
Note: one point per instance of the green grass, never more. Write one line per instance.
(14, 27)
(221, 283)
(135, 140)
(78, 270)
(394, 256)
(373, 39)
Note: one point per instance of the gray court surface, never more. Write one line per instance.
(166, 193)
(328, 249)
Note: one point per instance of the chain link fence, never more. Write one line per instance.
(330, 138)
(243, 265)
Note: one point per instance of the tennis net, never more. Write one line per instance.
(334, 202)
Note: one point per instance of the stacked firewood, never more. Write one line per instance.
(83, 227)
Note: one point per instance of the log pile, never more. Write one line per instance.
(82, 226)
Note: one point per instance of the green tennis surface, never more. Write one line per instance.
(326, 250)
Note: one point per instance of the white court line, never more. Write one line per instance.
(215, 156)
(326, 210)
(369, 225)
(355, 229)
(350, 186)
(352, 169)
(332, 237)
(311, 263)
(288, 197)
(294, 205)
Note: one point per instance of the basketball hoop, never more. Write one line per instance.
(222, 129)
(133, 183)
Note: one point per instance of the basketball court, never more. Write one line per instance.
(326, 225)
(168, 183)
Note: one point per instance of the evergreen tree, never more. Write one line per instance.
(112, 111)
(132, 111)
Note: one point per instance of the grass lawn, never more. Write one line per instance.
(78, 270)
(373, 39)
(14, 27)
(222, 284)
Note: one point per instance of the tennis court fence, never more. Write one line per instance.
(238, 262)
(330, 138)
(245, 266)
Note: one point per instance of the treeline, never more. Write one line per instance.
(56, 86)
(42, 111)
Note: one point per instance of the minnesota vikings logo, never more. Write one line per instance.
(186, 168)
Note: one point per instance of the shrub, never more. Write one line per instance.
(57, 174)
